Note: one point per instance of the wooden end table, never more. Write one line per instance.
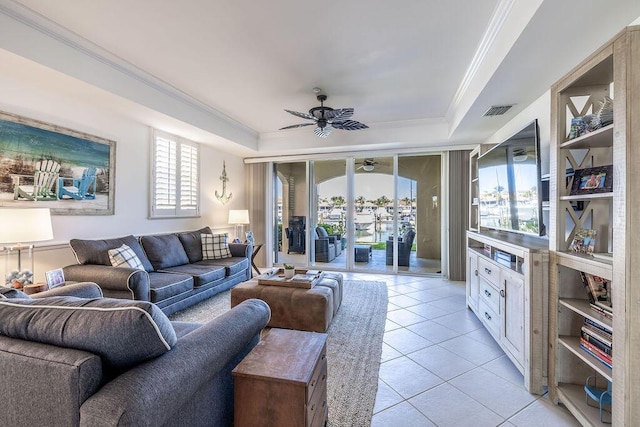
(283, 381)
(256, 249)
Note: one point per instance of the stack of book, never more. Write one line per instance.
(599, 293)
(597, 340)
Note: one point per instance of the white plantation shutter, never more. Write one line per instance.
(175, 184)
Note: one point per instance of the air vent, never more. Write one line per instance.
(497, 110)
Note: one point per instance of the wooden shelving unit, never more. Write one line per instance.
(474, 191)
(614, 71)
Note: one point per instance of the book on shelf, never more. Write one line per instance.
(601, 345)
(598, 290)
(601, 311)
(594, 353)
(597, 336)
(584, 240)
(598, 329)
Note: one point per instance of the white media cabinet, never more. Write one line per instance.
(509, 294)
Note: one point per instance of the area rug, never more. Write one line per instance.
(354, 348)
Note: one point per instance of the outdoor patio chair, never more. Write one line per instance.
(44, 178)
(82, 188)
(325, 250)
(333, 239)
(405, 242)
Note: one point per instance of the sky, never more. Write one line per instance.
(371, 186)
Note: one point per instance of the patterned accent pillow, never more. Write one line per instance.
(124, 256)
(215, 246)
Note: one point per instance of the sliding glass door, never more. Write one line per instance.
(378, 214)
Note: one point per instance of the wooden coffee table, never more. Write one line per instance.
(283, 381)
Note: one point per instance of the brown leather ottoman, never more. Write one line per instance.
(295, 308)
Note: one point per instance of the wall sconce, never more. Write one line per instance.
(434, 201)
(238, 218)
(20, 226)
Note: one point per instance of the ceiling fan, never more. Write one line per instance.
(326, 118)
(367, 165)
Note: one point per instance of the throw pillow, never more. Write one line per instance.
(6, 292)
(125, 257)
(215, 246)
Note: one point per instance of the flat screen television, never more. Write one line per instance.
(510, 185)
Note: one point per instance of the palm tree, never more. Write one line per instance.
(360, 200)
(337, 200)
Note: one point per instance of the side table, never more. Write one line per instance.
(256, 249)
(283, 381)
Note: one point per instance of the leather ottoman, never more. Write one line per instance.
(295, 308)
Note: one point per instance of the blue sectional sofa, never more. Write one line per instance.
(174, 274)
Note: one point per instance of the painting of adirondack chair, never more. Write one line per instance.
(83, 188)
(44, 178)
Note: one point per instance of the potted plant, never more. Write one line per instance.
(289, 271)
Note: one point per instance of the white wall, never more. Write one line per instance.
(41, 96)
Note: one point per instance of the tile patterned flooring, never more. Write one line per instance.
(440, 367)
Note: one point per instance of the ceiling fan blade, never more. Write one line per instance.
(340, 114)
(349, 125)
(323, 132)
(301, 115)
(297, 126)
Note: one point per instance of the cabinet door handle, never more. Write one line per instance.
(476, 272)
(502, 293)
(487, 270)
(487, 315)
(487, 293)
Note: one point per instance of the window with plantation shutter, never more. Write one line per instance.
(175, 185)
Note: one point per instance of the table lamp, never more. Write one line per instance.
(17, 227)
(238, 218)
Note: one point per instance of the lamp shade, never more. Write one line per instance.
(25, 225)
(238, 216)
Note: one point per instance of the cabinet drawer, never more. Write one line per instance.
(489, 294)
(489, 271)
(317, 406)
(490, 318)
(319, 375)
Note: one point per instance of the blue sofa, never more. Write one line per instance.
(174, 274)
(73, 358)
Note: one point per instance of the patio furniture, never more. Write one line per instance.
(405, 242)
(333, 238)
(362, 253)
(44, 177)
(325, 250)
(82, 188)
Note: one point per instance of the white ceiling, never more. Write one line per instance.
(417, 72)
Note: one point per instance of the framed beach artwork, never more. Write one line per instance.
(44, 165)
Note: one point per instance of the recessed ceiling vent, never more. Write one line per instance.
(497, 110)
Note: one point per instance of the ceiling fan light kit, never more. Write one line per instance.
(326, 118)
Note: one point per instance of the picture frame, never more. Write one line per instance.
(54, 278)
(592, 180)
(249, 237)
(584, 241)
(75, 171)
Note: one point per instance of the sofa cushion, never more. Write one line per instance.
(215, 246)
(202, 274)
(7, 292)
(96, 251)
(192, 243)
(164, 250)
(122, 332)
(124, 257)
(163, 286)
(232, 265)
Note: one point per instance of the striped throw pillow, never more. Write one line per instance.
(215, 246)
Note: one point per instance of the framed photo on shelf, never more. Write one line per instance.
(598, 290)
(54, 278)
(592, 180)
(584, 241)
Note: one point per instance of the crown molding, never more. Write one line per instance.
(134, 83)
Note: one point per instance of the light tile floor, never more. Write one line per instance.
(440, 367)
